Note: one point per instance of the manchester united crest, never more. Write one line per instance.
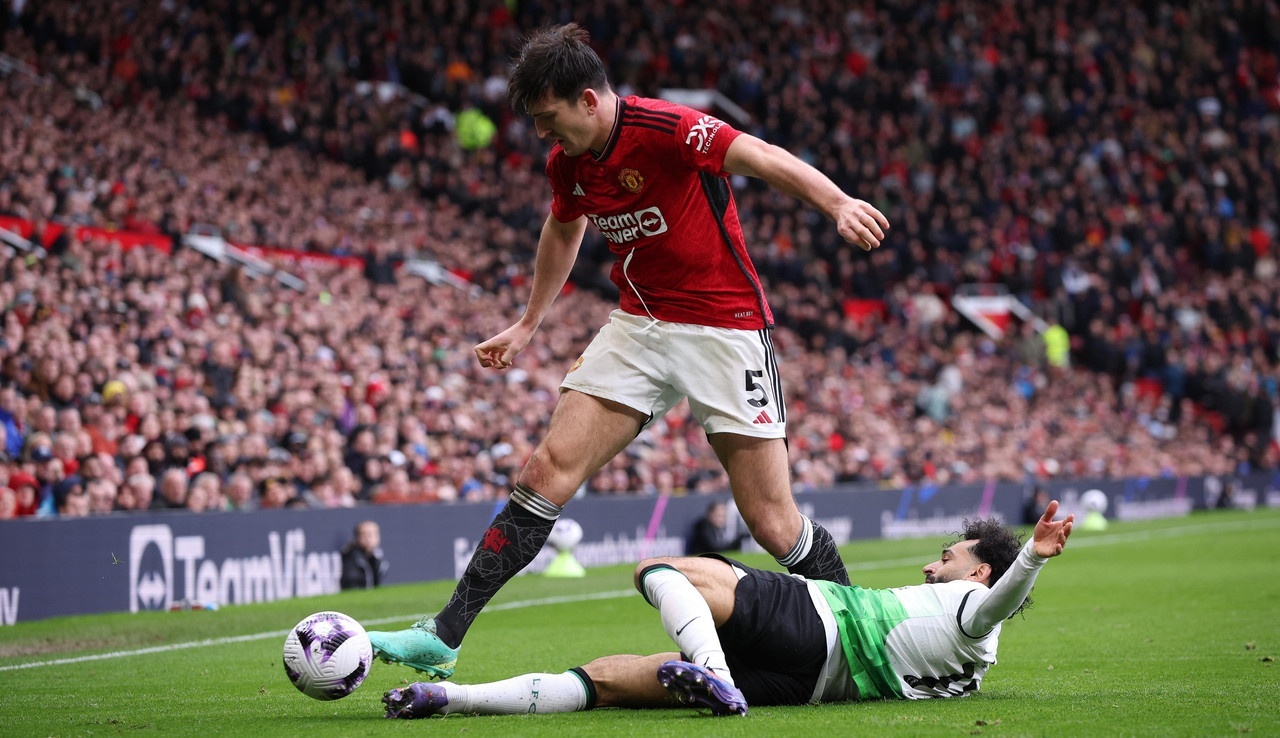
(631, 181)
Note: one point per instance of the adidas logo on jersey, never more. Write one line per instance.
(577, 189)
(761, 419)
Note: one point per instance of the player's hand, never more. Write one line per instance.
(860, 223)
(500, 351)
(1051, 536)
(494, 354)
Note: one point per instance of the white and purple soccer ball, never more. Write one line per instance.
(565, 534)
(327, 655)
(1094, 500)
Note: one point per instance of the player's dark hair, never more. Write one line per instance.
(555, 59)
(997, 546)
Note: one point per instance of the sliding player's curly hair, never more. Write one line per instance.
(558, 60)
(997, 546)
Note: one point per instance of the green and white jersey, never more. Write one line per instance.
(916, 642)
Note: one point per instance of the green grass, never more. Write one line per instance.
(1165, 628)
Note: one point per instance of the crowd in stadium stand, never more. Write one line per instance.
(1116, 166)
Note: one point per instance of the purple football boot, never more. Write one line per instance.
(699, 686)
(418, 700)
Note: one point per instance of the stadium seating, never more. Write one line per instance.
(1114, 169)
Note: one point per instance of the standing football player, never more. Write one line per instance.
(653, 177)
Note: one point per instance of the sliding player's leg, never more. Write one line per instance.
(611, 681)
(774, 640)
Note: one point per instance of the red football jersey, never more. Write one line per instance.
(660, 195)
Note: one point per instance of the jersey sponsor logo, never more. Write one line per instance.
(627, 227)
(575, 366)
(703, 133)
(577, 189)
(631, 181)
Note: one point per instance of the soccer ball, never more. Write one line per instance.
(1094, 500)
(327, 655)
(565, 534)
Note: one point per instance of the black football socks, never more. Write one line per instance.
(815, 555)
(511, 542)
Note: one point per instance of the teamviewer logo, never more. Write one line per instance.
(651, 221)
(150, 568)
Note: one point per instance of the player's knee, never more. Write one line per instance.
(775, 534)
(543, 473)
(540, 468)
(647, 565)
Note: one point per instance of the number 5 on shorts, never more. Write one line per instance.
(753, 386)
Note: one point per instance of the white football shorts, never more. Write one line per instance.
(730, 376)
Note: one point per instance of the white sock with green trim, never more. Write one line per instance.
(527, 693)
(686, 618)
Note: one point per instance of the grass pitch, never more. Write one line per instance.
(1164, 628)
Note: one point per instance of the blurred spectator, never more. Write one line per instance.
(70, 498)
(276, 493)
(240, 493)
(363, 563)
(198, 499)
(206, 487)
(26, 494)
(102, 496)
(1034, 505)
(48, 472)
(9, 420)
(137, 493)
(173, 491)
(8, 503)
(712, 533)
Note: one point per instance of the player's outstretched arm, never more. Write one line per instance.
(557, 250)
(1051, 535)
(1007, 595)
(858, 221)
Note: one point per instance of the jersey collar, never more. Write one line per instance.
(613, 134)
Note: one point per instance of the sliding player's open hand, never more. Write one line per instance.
(1051, 535)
